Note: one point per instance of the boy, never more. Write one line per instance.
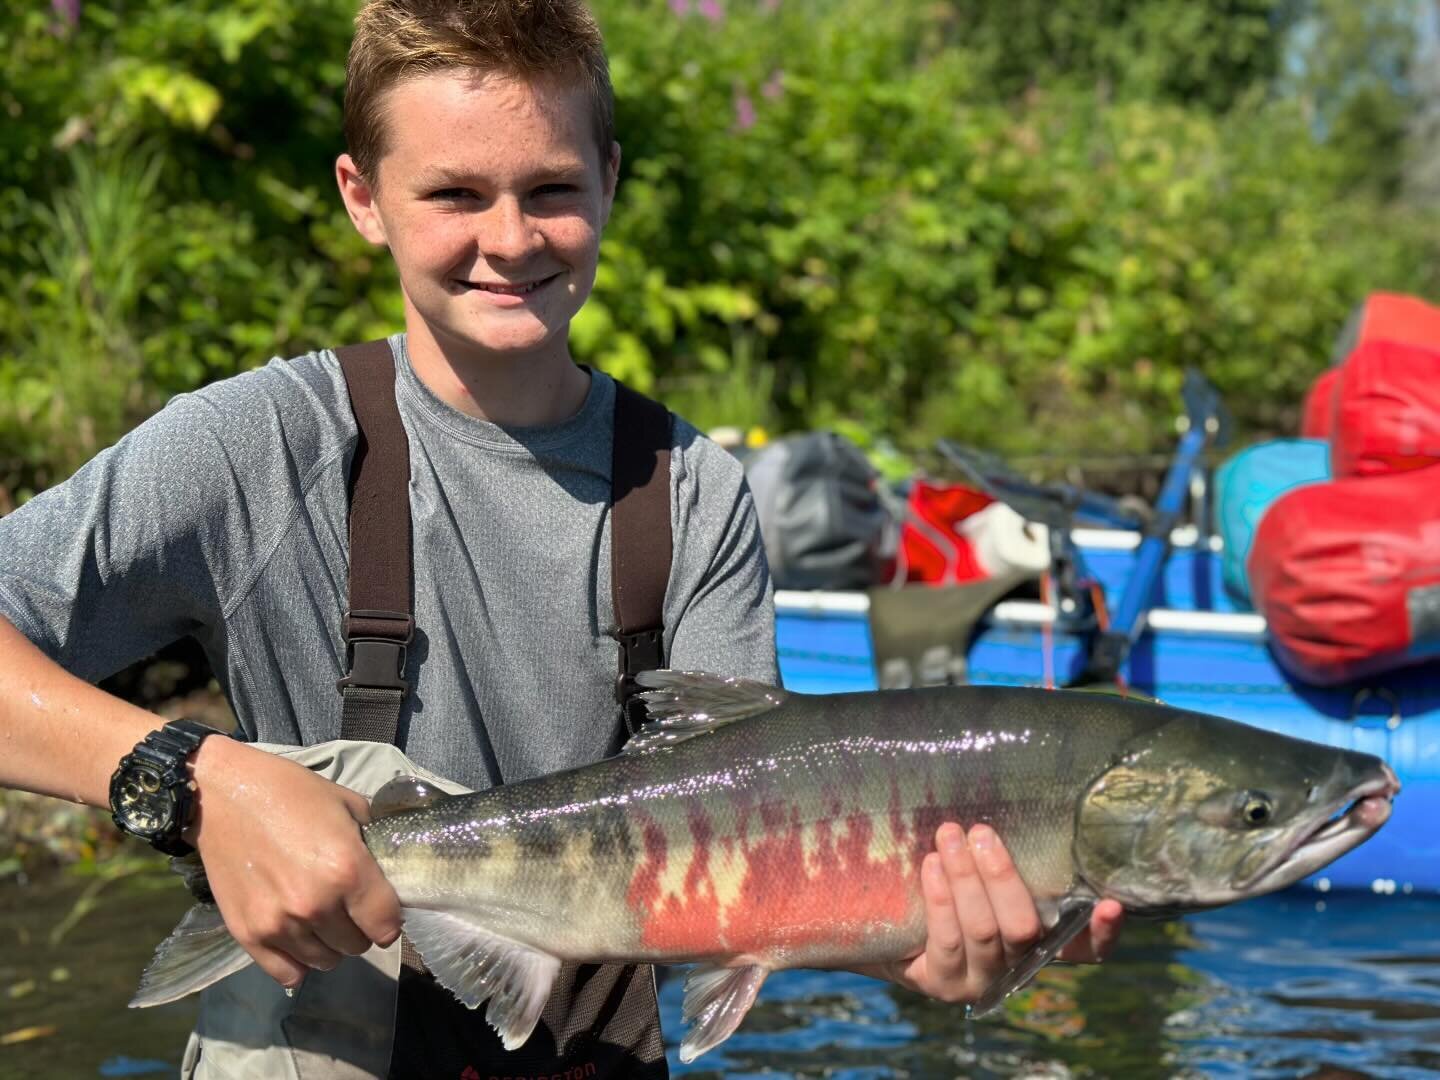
(481, 153)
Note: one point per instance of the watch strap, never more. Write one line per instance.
(181, 738)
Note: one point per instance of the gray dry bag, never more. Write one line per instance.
(821, 512)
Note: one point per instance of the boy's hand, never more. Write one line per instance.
(980, 918)
(283, 854)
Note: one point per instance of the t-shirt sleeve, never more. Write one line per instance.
(154, 538)
(719, 605)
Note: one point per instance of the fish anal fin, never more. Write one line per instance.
(684, 704)
(1074, 917)
(477, 966)
(198, 953)
(404, 793)
(716, 1000)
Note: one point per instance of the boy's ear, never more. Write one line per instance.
(612, 178)
(359, 197)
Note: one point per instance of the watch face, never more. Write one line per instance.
(141, 801)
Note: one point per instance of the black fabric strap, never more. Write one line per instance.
(640, 540)
(378, 624)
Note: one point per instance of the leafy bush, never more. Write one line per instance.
(917, 220)
(910, 250)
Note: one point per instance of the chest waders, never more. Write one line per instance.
(378, 626)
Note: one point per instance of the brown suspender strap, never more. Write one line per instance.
(640, 551)
(378, 625)
(640, 541)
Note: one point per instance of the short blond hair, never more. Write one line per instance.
(528, 39)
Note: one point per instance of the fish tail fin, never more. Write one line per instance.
(198, 953)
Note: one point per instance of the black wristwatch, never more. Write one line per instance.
(151, 794)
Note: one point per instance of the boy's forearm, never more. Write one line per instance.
(59, 735)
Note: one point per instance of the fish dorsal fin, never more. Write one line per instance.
(198, 953)
(684, 704)
(1115, 690)
(1074, 916)
(716, 1000)
(404, 793)
(478, 966)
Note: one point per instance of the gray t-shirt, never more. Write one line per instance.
(224, 517)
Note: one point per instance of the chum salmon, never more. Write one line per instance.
(749, 829)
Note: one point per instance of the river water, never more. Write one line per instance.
(1296, 985)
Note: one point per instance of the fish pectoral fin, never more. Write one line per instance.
(198, 953)
(716, 1000)
(477, 965)
(404, 793)
(1074, 917)
(684, 704)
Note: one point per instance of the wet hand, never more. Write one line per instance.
(286, 862)
(980, 919)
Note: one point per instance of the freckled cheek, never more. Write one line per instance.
(577, 243)
(440, 246)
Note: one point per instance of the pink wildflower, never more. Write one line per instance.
(680, 7)
(68, 10)
(711, 10)
(774, 86)
(744, 111)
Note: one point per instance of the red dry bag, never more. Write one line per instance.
(1396, 317)
(1320, 406)
(932, 548)
(1387, 410)
(1347, 575)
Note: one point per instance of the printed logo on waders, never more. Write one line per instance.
(577, 1072)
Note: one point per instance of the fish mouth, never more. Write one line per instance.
(1366, 807)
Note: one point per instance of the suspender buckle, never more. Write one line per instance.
(644, 650)
(376, 649)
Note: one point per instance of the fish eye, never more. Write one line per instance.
(1256, 808)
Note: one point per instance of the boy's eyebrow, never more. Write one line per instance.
(442, 176)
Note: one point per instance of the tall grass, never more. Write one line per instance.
(71, 375)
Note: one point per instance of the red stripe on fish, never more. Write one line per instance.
(680, 925)
(645, 885)
(697, 875)
(925, 819)
(898, 827)
(836, 895)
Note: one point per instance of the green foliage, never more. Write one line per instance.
(1351, 74)
(166, 212)
(1011, 224)
(928, 257)
(75, 384)
(1207, 55)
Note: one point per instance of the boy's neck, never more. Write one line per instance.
(525, 391)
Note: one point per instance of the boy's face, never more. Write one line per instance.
(491, 197)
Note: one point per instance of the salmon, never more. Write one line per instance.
(750, 830)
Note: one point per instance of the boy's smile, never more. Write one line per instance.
(506, 292)
(491, 197)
